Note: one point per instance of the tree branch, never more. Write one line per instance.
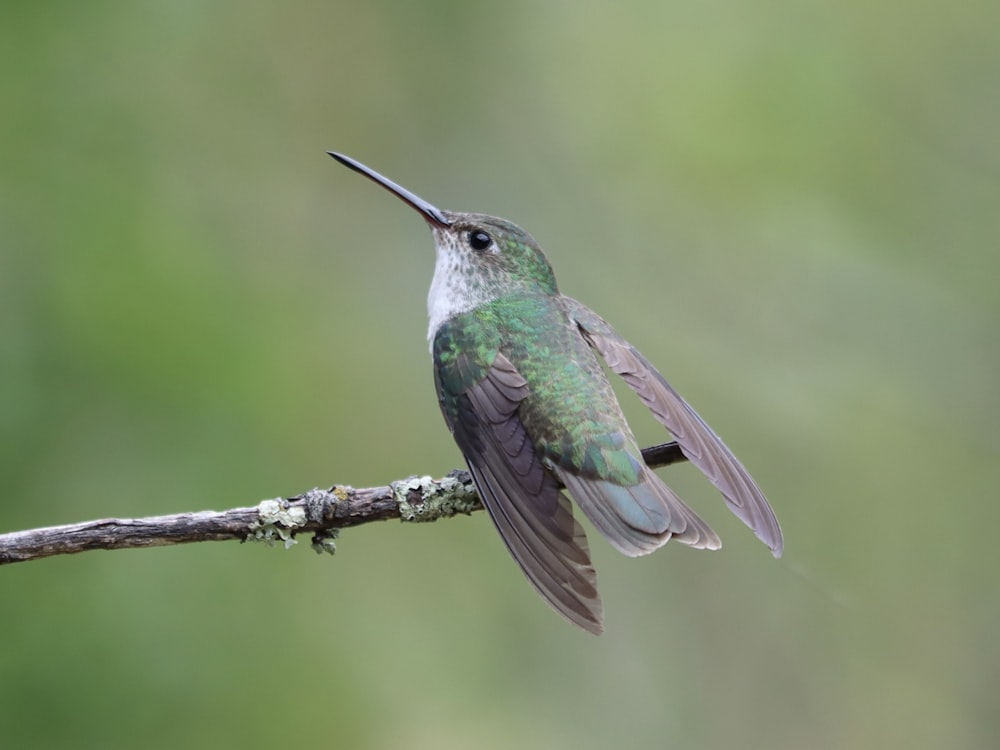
(321, 512)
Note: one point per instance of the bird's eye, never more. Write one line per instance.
(479, 240)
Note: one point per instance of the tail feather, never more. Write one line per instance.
(639, 518)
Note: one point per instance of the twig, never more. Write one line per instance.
(321, 512)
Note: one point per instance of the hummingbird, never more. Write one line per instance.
(517, 367)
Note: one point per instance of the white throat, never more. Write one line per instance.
(455, 289)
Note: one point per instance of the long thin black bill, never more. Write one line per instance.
(431, 213)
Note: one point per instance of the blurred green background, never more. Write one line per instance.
(792, 207)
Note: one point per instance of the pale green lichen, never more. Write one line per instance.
(342, 492)
(423, 499)
(276, 519)
(324, 541)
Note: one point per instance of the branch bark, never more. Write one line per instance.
(320, 512)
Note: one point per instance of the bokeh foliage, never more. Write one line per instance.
(792, 207)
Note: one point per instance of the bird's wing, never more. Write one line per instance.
(697, 440)
(479, 391)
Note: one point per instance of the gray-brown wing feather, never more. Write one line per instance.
(533, 516)
(698, 441)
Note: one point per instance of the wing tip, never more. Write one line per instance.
(770, 533)
(589, 619)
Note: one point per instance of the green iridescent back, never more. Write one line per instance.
(571, 412)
